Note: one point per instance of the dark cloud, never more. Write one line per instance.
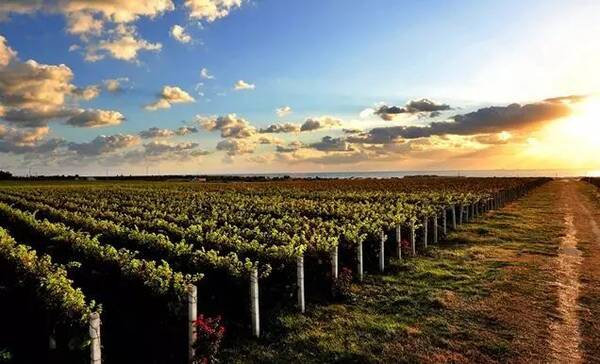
(493, 119)
(186, 130)
(44, 147)
(156, 148)
(412, 107)
(281, 128)
(290, 148)
(319, 123)
(329, 144)
(155, 132)
(94, 118)
(104, 144)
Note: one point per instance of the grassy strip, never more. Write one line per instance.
(468, 300)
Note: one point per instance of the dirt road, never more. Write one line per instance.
(575, 336)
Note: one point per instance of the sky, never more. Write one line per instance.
(260, 86)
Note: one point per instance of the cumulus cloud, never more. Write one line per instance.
(156, 148)
(112, 10)
(42, 148)
(283, 111)
(236, 146)
(32, 94)
(311, 124)
(179, 34)
(330, 144)
(82, 23)
(104, 144)
(123, 43)
(94, 118)
(7, 54)
(290, 148)
(157, 133)
(114, 85)
(87, 93)
(102, 25)
(281, 128)
(186, 130)
(230, 126)
(168, 96)
(205, 74)
(243, 85)
(211, 10)
(24, 136)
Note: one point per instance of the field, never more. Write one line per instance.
(323, 270)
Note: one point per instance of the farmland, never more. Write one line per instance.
(127, 254)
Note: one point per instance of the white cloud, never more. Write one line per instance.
(168, 96)
(7, 54)
(230, 126)
(243, 85)
(178, 32)
(236, 146)
(87, 93)
(123, 44)
(205, 74)
(283, 111)
(32, 94)
(99, 23)
(211, 10)
(114, 85)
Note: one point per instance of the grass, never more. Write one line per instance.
(448, 305)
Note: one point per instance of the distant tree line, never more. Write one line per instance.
(5, 175)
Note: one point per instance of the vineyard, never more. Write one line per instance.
(147, 272)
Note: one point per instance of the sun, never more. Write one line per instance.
(580, 130)
(584, 125)
(570, 142)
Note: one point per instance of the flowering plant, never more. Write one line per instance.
(209, 334)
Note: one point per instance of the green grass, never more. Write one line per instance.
(424, 309)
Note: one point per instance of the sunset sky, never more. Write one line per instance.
(239, 86)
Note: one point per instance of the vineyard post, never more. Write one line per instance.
(435, 229)
(453, 217)
(254, 309)
(192, 317)
(334, 262)
(425, 223)
(382, 252)
(359, 253)
(300, 273)
(413, 238)
(95, 348)
(399, 240)
(444, 222)
(52, 340)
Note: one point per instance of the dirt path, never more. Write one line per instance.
(565, 333)
(583, 202)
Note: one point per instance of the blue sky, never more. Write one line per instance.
(321, 58)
